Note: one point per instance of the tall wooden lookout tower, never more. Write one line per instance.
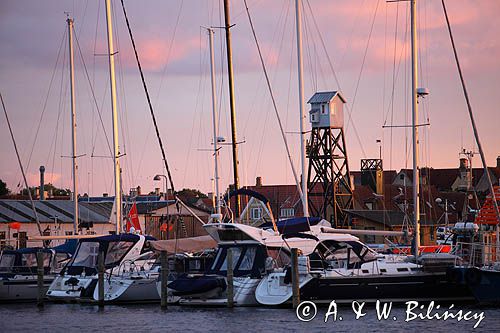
(329, 183)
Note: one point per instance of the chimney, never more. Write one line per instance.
(463, 164)
(498, 161)
(258, 181)
(42, 183)
(157, 191)
(138, 190)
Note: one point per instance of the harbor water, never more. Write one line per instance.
(150, 318)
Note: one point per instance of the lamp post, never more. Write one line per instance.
(158, 178)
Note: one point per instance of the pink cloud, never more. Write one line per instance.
(154, 53)
(34, 178)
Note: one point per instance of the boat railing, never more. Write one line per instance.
(134, 267)
(476, 254)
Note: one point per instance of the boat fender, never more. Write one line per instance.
(473, 276)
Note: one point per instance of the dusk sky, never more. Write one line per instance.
(173, 48)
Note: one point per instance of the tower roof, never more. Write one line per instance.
(324, 97)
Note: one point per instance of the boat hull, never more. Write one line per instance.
(484, 284)
(22, 288)
(398, 288)
(129, 290)
(244, 295)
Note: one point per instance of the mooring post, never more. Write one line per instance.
(295, 278)
(40, 268)
(230, 289)
(164, 279)
(100, 278)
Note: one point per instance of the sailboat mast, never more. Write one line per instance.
(298, 17)
(116, 152)
(414, 102)
(215, 118)
(73, 125)
(232, 105)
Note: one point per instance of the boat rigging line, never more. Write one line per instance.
(283, 136)
(94, 99)
(167, 168)
(22, 169)
(473, 122)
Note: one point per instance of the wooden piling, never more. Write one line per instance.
(230, 288)
(40, 272)
(100, 278)
(164, 279)
(295, 278)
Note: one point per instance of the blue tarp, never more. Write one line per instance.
(294, 225)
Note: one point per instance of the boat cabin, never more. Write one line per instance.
(248, 259)
(116, 248)
(331, 254)
(23, 261)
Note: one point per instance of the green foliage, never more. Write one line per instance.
(191, 193)
(4, 190)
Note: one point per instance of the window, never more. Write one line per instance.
(248, 259)
(287, 212)
(69, 233)
(280, 257)
(236, 256)
(22, 237)
(323, 111)
(86, 255)
(29, 259)
(314, 117)
(7, 262)
(369, 205)
(256, 213)
(116, 251)
(402, 176)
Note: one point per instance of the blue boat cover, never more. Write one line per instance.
(294, 225)
(191, 285)
(116, 238)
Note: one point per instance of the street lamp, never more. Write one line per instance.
(158, 178)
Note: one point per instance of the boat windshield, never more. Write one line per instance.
(29, 260)
(86, 256)
(116, 251)
(352, 253)
(247, 260)
(7, 262)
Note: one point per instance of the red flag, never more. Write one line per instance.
(133, 219)
(163, 227)
(15, 225)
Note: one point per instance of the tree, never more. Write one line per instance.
(57, 192)
(4, 190)
(191, 193)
